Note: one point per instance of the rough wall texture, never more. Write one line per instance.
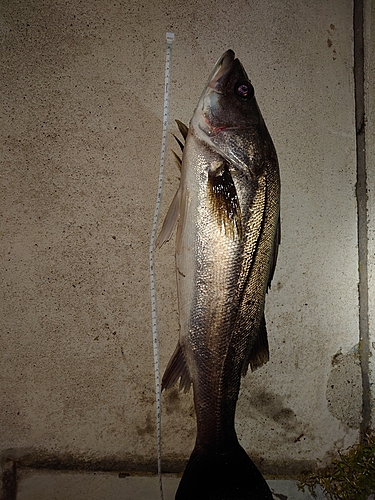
(81, 133)
(369, 31)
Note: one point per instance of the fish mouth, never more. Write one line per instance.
(215, 88)
(223, 66)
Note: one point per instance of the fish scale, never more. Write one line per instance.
(227, 207)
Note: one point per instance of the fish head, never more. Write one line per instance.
(227, 116)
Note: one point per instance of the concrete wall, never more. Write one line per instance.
(81, 134)
(369, 31)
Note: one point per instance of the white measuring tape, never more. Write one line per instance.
(155, 337)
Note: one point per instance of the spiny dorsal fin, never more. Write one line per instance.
(182, 128)
(178, 159)
(179, 143)
(223, 197)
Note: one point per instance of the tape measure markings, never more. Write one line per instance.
(155, 336)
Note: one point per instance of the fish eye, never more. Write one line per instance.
(244, 90)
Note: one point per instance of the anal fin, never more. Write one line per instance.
(259, 354)
(177, 369)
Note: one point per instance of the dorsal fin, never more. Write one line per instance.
(173, 213)
(178, 159)
(170, 221)
(179, 143)
(182, 128)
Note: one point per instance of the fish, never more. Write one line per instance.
(227, 214)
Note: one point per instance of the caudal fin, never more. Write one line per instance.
(227, 475)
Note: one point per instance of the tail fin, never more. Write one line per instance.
(227, 475)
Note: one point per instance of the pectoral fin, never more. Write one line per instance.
(223, 199)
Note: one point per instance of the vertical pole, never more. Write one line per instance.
(362, 196)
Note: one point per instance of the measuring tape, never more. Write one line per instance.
(155, 337)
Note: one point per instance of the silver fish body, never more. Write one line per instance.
(227, 206)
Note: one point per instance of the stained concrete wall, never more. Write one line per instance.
(369, 69)
(81, 134)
